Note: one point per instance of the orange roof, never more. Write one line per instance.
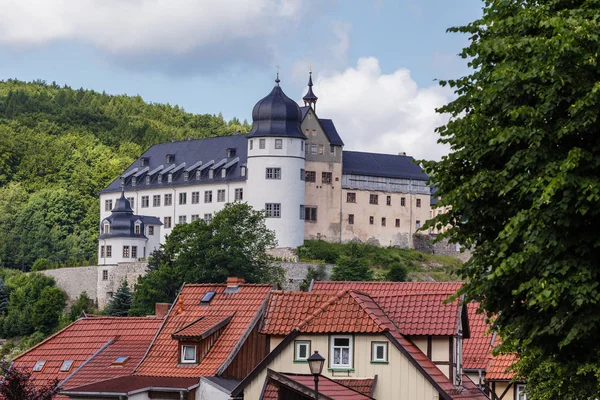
(361, 385)
(202, 326)
(328, 388)
(245, 304)
(498, 365)
(421, 314)
(91, 340)
(477, 348)
(388, 288)
(288, 310)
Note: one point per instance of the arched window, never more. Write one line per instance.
(106, 227)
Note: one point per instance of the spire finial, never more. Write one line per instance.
(277, 79)
(309, 98)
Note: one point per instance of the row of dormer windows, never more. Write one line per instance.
(167, 199)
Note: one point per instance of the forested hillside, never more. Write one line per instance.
(58, 148)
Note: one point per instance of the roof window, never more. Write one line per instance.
(231, 152)
(66, 366)
(207, 297)
(170, 158)
(120, 360)
(143, 161)
(39, 366)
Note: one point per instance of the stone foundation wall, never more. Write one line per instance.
(116, 275)
(424, 244)
(76, 280)
(295, 272)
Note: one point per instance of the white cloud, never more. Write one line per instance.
(385, 113)
(145, 26)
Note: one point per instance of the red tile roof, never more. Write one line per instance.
(421, 314)
(86, 337)
(361, 385)
(468, 391)
(126, 384)
(271, 391)
(330, 388)
(288, 310)
(246, 303)
(201, 326)
(387, 288)
(498, 365)
(477, 348)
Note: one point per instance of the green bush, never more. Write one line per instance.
(319, 250)
(397, 273)
(42, 264)
(318, 274)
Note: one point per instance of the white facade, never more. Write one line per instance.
(275, 176)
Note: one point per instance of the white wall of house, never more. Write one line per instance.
(117, 255)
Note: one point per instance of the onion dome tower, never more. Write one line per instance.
(276, 165)
(310, 99)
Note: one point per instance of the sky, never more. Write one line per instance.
(374, 62)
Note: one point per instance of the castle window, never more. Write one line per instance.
(311, 176)
(373, 199)
(108, 205)
(251, 144)
(279, 143)
(104, 274)
(418, 202)
(125, 251)
(397, 222)
(167, 221)
(145, 201)
(221, 195)
(326, 177)
(182, 198)
(273, 173)
(239, 194)
(195, 217)
(403, 201)
(332, 149)
(350, 219)
(182, 219)
(261, 143)
(207, 218)
(147, 179)
(195, 197)
(321, 149)
(350, 197)
(106, 228)
(131, 202)
(188, 354)
(310, 214)
(156, 200)
(273, 210)
(388, 200)
(137, 229)
(108, 251)
(208, 196)
(168, 199)
(151, 230)
(313, 149)
(101, 251)
(383, 221)
(133, 251)
(371, 220)
(186, 176)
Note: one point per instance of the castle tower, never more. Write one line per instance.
(276, 166)
(310, 99)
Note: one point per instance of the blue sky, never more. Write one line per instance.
(211, 57)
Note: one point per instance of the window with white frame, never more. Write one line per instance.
(207, 218)
(340, 352)
(156, 200)
(133, 251)
(108, 251)
(208, 196)
(279, 143)
(520, 392)
(145, 201)
(107, 205)
(195, 197)
(221, 195)
(188, 354)
(273, 210)
(168, 199)
(182, 219)
(182, 198)
(261, 143)
(39, 366)
(147, 179)
(239, 194)
(131, 202)
(150, 230)
(106, 227)
(301, 350)
(125, 251)
(195, 217)
(273, 173)
(379, 352)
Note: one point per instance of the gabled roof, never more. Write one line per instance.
(329, 389)
(91, 343)
(362, 385)
(422, 314)
(202, 327)
(245, 308)
(382, 165)
(477, 348)
(498, 365)
(332, 134)
(388, 288)
(129, 385)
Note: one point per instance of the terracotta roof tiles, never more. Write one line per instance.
(361, 385)
(497, 368)
(477, 348)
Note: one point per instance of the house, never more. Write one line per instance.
(363, 347)
(207, 343)
(91, 349)
(293, 166)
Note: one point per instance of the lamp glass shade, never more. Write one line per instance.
(315, 363)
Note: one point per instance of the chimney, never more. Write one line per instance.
(161, 309)
(234, 282)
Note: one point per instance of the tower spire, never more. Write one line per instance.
(310, 99)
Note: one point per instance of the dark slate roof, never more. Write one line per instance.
(331, 132)
(190, 152)
(227, 384)
(122, 221)
(433, 199)
(310, 95)
(149, 220)
(276, 115)
(383, 165)
(304, 111)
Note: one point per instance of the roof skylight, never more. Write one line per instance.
(66, 365)
(120, 360)
(207, 297)
(39, 366)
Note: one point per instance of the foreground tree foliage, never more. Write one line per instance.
(523, 181)
(58, 148)
(234, 243)
(120, 303)
(18, 385)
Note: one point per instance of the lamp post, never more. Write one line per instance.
(315, 363)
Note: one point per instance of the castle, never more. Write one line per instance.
(291, 165)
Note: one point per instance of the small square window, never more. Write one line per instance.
(350, 197)
(188, 354)
(373, 199)
(313, 149)
(418, 202)
(39, 366)
(66, 366)
(279, 143)
(379, 352)
(383, 221)
(301, 350)
(273, 210)
(371, 220)
(326, 177)
(150, 230)
(273, 173)
(261, 143)
(311, 176)
(350, 219)
(397, 222)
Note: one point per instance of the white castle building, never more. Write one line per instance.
(291, 164)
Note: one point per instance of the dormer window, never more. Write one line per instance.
(66, 366)
(223, 173)
(147, 179)
(186, 176)
(243, 170)
(133, 181)
(138, 228)
(143, 162)
(188, 354)
(106, 227)
(231, 152)
(198, 175)
(39, 366)
(170, 158)
(169, 178)
(120, 360)
(211, 174)
(159, 178)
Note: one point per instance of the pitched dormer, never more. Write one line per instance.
(197, 338)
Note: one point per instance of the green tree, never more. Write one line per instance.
(42, 264)
(523, 183)
(318, 274)
(46, 312)
(397, 272)
(352, 266)
(120, 303)
(234, 243)
(4, 297)
(17, 384)
(83, 304)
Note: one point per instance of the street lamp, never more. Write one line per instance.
(315, 363)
